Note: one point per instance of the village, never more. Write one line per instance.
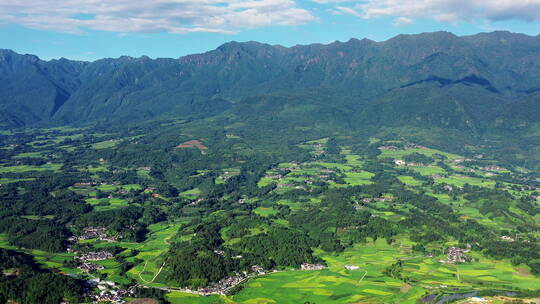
(89, 233)
(224, 286)
(84, 259)
(307, 266)
(457, 255)
(283, 178)
(109, 291)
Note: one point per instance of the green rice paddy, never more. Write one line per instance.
(104, 144)
(191, 194)
(265, 211)
(27, 168)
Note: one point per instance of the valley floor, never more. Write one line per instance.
(376, 270)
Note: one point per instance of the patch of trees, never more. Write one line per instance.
(527, 204)
(46, 196)
(491, 202)
(196, 263)
(24, 282)
(45, 235)
(418, 158)
(396, 271)
(335, 212)
(122, 176)
(519, 252)
(278, 247)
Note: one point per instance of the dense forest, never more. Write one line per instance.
(25, 282)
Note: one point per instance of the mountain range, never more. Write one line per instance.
(474, 84)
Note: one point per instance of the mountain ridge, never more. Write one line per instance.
(355, 73)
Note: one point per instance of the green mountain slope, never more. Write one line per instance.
(434, 80)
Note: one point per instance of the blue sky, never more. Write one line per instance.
(93, 29)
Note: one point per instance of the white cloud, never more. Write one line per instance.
(442, 10)
(401, 21)
(348, 10)
(174, 16)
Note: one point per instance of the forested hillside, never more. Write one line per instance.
(470, 78)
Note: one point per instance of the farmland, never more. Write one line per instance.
(386, 266)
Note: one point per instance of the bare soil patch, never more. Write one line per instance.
(193, 144)
(523, 272)
(405, 288)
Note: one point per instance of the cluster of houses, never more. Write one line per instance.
(490, 170)
(400, 162)
(352, 267)
(448, 188)
(257, 270)
(278, 174)
(84, 184)
(389, 148)
(197, 201)
(95, 256)
(273, 176)
(457, 255)
(376, 199)
(84, 258)
(494, 168)
(227, 175)
(461, 160)
(478, 300)
(307, 266)
(110, 292)
(90, 267)
(94, 233)
(225, 285)
(529, 187)
(407, 146)
(410, 145)
(507, 238)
